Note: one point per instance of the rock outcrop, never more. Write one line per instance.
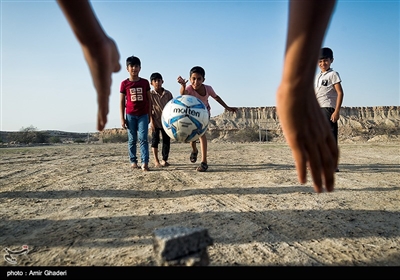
(361, 122)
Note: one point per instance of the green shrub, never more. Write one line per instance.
(55, 139)
(79, 140)
(29, 135)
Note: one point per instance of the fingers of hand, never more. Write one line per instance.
(117, 67)
(331, 163)
(323, 164)
(181, 80)
(102, 112)
(300, 157)
(100, 125)
(320, 157)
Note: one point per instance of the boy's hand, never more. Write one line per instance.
(232, 109)
(182, 81)
(123, 123)
(335, 116)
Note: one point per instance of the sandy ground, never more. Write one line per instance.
(82, 205)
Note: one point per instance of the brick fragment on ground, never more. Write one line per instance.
(181, 246)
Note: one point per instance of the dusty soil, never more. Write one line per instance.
(82, 205)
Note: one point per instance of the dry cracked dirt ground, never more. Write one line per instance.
(82, 205)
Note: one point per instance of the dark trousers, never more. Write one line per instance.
(327, 111)
(166, 141)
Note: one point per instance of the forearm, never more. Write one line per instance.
(336, 113)
(220, 101)
(150, 106)
(83, 21)
(182, 90)
(122, 111)
(339, 100)
(308, 21)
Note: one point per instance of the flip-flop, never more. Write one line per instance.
(193, 156)
(202, 167)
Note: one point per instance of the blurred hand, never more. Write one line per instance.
(308, 134)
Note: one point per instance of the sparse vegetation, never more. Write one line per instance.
(115, 138)
(29, 135)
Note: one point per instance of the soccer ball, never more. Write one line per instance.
(185, 118)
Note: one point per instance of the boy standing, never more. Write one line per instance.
(135, 105)
(198, 89)
(329, 91)
(159, 98)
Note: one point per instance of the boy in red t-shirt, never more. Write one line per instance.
(135, 107)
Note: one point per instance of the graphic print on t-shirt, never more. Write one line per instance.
(136, 94)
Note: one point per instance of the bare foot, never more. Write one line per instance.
(157, 164)
(134, 166)
(165, 163)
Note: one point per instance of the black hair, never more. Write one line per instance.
(155, 76)
(133, 60)
(326, 53)
(199, 70)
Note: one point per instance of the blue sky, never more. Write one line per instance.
(45, 81)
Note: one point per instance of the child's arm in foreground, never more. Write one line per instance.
(306, 130)
(99, 50)
(336, 114)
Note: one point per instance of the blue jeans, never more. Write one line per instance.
(138, 127)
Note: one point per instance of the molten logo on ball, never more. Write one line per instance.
(186, 111)
(185, 118)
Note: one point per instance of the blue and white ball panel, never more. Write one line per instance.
(185, 118)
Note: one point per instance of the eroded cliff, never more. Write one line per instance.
(361, 122)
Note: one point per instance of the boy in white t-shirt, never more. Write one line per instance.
(328, 90)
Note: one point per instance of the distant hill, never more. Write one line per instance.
(51, 136)
(262, 123)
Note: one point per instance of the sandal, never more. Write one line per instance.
(193, 156)
(202, 167)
